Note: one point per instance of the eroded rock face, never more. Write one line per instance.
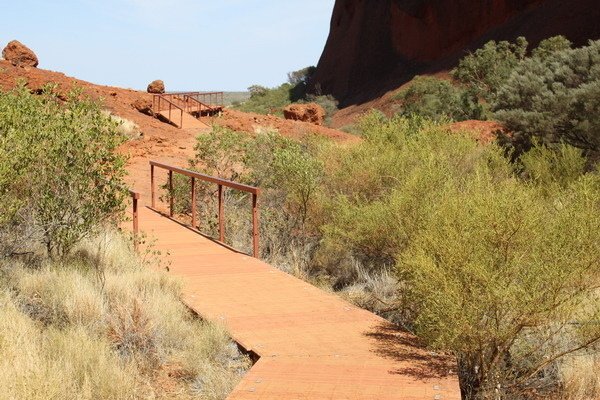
(156, 87)
(144, 106)
(310, 112)
(19, 55)
(375, 46)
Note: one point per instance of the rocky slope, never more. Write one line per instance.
(376, 46)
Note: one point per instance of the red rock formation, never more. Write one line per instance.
(311, 112)
(156, 87)
(375, 46)
(19, 55)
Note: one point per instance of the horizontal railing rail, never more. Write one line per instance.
(212, 99)
(156, 106)
(221, 183)
(196, 105)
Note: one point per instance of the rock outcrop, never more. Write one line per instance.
(156, 87)
(376, 46)
(19, 55)
(144, 106)
(310, 112)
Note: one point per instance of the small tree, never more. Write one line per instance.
(507, 281)
(66, 175)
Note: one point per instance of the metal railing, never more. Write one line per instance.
(221, 184)
(210, 99)
(135, 196)
(157, 99)
(195, 105)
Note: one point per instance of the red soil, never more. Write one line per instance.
(249, 122)
(483, 131)
(160, 140)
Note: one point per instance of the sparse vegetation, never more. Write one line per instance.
(81, 315)
(550, 95)
(101, 324)
(496, 261)
(272, 100)
(125, 127)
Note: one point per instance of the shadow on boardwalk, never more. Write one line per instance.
(393, 343)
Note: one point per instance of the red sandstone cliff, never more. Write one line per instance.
(377, 45)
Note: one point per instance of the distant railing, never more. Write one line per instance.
(211, 179)
(211, 99)
(157, 107)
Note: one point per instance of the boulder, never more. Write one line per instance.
(144, 106)
(156, 87)
(310, 112)
(19, 55)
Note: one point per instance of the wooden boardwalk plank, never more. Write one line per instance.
(312, 344)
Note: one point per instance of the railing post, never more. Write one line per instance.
(181, 123)
(152, 191)
(136, 226)
(221, 217)
(194, 221)
(255, 226)
(171, 197)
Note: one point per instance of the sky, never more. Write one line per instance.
(190, 44)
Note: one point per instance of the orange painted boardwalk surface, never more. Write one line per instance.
(312, 344)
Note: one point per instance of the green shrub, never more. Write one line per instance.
(273, 100)
(267, 100)
(60, 174)
(549, 167)
(438, 99)
(507, 280)
(550, 46)
(555, 98)
(299, 81)
(485, 70)
(384, 189)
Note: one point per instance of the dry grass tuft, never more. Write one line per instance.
(101, 325)
(580, 377)
(126, 126)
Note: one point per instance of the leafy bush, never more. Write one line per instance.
(273, 100)
(60, 174)
(299, 81)
(438, 99)
(554, 98)
(550, 167)
(549, 46)
(267, 101)
(499, 276)
(485, 70)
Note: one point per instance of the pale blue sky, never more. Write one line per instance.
(190, 44)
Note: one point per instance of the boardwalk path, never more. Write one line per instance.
(312, 344)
